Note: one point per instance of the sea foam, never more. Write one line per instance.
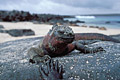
(89, 17)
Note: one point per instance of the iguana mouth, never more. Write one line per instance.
(66, 39)
(66, 36)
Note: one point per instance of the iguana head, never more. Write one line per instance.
(62, 33)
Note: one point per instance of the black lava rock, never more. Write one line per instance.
(14, 62)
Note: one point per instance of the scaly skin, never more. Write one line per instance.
(61, 40)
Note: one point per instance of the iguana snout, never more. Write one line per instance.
(65, 33)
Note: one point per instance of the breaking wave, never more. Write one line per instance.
(88, 17)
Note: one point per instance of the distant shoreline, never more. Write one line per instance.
(101, 21)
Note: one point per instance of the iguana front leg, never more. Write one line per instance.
(37, 56)
(53, 71)
(85, 49)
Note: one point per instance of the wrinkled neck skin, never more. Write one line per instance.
(53, 44)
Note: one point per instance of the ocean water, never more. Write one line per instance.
(101, 21)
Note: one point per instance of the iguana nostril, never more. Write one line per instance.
(70, 34)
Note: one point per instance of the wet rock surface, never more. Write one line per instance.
(1, 26)
(18, 32)
(116, 36)
(14, 62)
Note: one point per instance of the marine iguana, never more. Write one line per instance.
(61, 40)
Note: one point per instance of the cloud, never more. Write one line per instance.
(71, 7)
(89, 3)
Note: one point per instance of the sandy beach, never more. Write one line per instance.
(42, 29)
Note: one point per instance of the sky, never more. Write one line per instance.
(63, 7)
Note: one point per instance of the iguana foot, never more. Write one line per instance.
(93, 50)
(97, 49)
(53, 72)
(37, 59)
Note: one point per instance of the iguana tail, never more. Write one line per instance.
(94, 36)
